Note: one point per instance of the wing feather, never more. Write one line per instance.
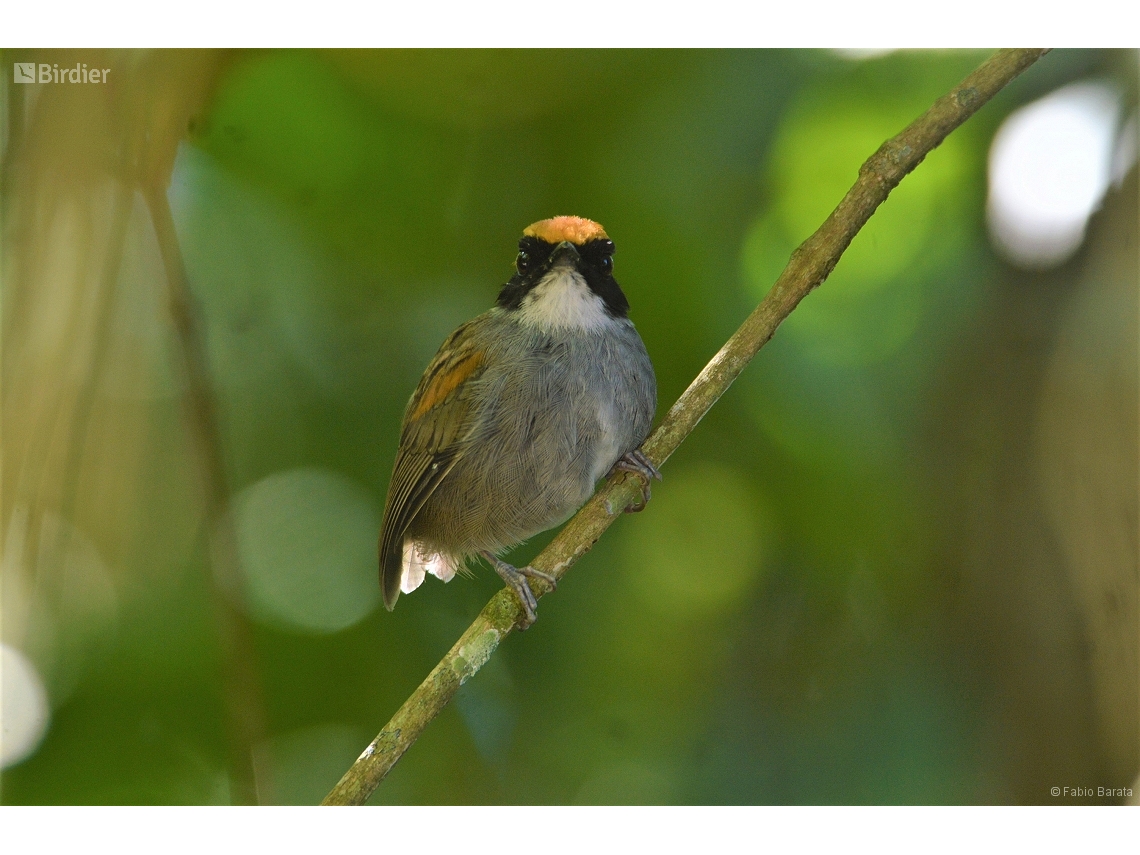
(438, 417)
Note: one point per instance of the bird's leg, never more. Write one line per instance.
(637, 463)
(515, 578)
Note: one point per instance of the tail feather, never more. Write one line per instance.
(391, 571)
(405, 569)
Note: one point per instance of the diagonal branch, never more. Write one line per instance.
(809, 265)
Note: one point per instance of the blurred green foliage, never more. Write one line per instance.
(779, 626)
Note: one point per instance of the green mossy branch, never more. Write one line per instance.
(809, 265)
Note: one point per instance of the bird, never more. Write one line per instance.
(518, 415)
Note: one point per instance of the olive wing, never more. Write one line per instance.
(436, 420)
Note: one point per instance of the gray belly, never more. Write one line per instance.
(553, 422)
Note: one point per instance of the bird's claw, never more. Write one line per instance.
(515, 579)
(638, 464)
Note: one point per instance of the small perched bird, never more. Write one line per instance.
(518, 415)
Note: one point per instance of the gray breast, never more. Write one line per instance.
(556, 411)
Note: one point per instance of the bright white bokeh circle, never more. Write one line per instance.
(24, 710)
(1049, 167)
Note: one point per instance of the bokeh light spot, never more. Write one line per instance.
(307, 539)
(872, 302)
(699, 547)
(1049, 167)
(25, 713)
(859, 54)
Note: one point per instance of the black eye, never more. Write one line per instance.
(522, 263)
(607, 263)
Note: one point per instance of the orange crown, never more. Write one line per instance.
(577, 230)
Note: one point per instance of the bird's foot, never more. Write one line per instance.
(637, 463)
(515, 579)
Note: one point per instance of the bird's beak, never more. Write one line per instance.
(564, 254)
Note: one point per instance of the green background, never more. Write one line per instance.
(845, 590)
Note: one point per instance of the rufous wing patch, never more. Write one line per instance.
(577, 230)
(446, 382)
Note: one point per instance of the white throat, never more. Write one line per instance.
(563, 300)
